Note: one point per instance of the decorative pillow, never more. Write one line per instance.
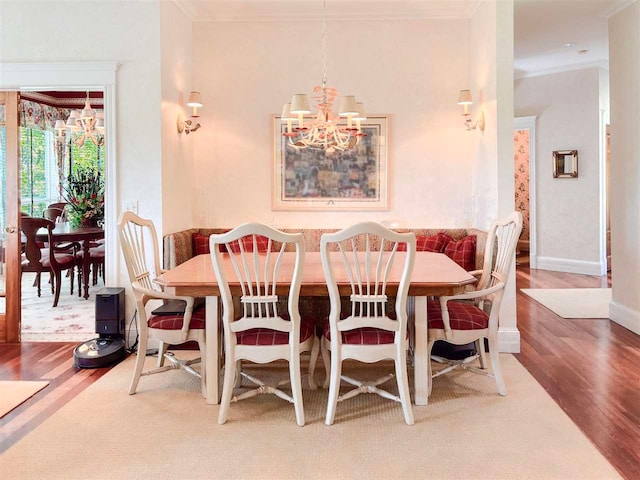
(262, 243)
(200, 244)
(424, 243)
(462, 251)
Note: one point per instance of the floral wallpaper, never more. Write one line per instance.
(521, 157)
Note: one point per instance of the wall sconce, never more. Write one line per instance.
(464, 99)
(187, 126)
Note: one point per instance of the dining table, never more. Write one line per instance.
(84, 235)
(434, 274)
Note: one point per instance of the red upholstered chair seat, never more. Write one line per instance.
(174, 322)
(462, 316)
(361, 336)
(63, 259)
(267, 336)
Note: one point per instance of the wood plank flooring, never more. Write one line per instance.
(590, 367)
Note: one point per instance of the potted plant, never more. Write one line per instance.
(84, 192)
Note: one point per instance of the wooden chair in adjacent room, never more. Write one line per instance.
(137, 238)
(372, 329)
(263, 330)
(474, 316)
(54, 258)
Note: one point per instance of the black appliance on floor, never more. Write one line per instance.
(109, 348)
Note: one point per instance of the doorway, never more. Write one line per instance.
(26, 77)
(525, 192)
(62, 179)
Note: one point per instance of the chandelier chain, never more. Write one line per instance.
(324, 44)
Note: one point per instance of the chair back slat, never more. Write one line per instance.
(258, 275)
(135, 233)
(502, 240)
(367, 254)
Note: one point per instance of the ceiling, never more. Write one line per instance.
(541, 27)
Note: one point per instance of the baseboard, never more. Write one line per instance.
(569, 266)
(509, 340)
(628, 318)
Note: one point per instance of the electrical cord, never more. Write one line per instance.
(133, 348)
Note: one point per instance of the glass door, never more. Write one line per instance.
(9, 219)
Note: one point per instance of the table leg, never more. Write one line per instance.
(86, 257)
(212, 362)
(421, 360)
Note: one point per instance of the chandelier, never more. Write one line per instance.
(325, 131)
(86, 124)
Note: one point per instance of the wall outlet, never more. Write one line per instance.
(131, 206)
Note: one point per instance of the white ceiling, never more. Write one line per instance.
(541, 27)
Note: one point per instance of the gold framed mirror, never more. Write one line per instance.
(565, 164)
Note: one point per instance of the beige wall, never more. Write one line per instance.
(567, 106)
(177, 149)
(411, 70)
(624, 65)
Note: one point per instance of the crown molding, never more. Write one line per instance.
(564, 68)
(69, 102)
(445, 11)
(618, 6)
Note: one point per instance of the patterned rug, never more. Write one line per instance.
(72, 320)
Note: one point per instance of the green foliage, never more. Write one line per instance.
(84, 191)
(33, 179)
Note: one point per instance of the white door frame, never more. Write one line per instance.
(529, 123)
(79, 76)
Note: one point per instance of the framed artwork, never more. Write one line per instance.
(311, 179)
(565, 164)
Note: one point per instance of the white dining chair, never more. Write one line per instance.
(371, 330)
(136, 235)
(263, 330)
(474, 316)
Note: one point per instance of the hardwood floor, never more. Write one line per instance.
(590, 367)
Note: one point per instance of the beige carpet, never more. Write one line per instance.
(573, 302)
(167, 431)
(13, 393)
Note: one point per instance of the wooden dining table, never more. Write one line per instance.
(433, 274)
(86, 236)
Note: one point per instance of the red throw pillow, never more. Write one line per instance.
(424, 243)
(462, 251)
(200, 244)
(247, 242)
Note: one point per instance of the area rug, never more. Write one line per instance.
(573, 302)
(166, 430)
(72, 320)
(13, 393)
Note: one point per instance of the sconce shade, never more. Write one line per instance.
(361, 115)
(194, 100)
(348, 106)
(464, 98)
(300, 104)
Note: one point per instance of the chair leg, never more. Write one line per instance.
(140, 357)
(57, 284)
(403, 386)
(481, 353)
(94, 273)
(334, 387)
(495, 364)
(70, 273)
(162, 349)
(227, 385)
(203, 362)
(429, 372)
(79, 281)
(51, 282)
(237, 383)
(313, 360)
(296, 387)
(326, 359)
(38, 282)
